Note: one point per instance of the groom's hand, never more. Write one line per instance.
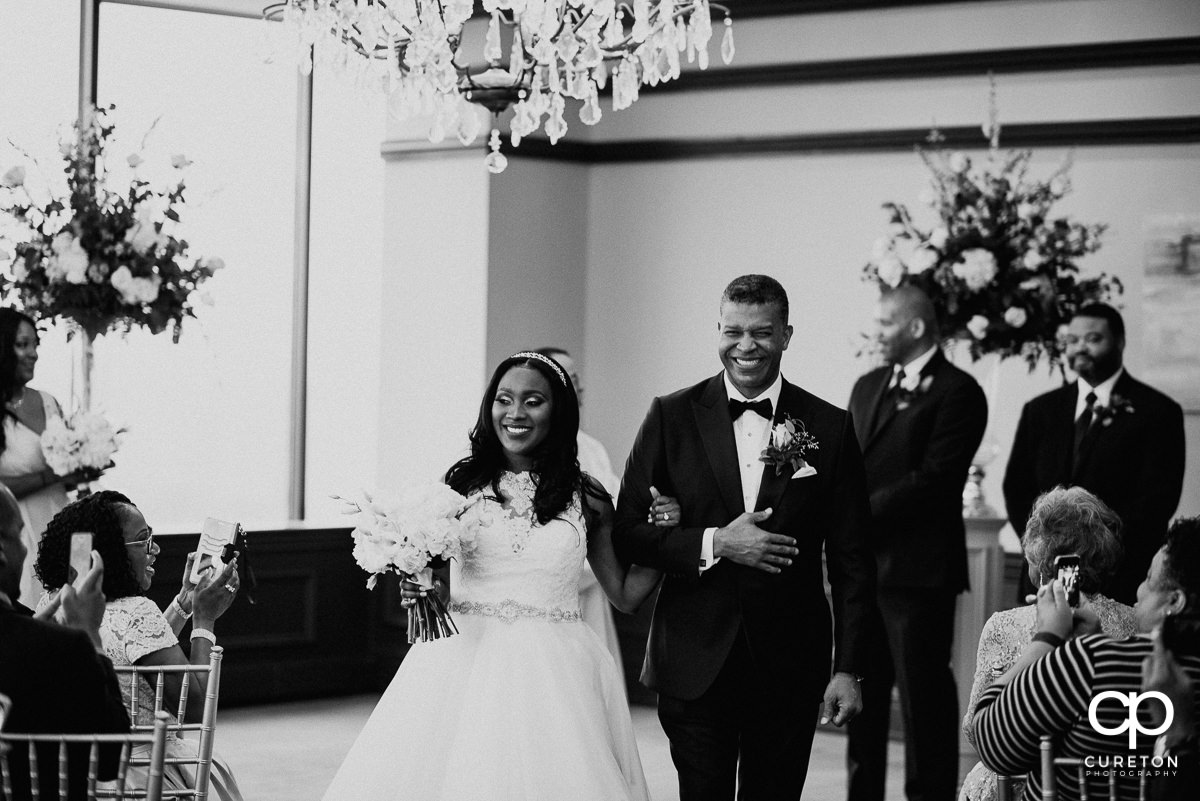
(843, 700)
(742, 541)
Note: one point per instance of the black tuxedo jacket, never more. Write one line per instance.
(1134, 463)
(58, 684)
(686, 449)
(917, 450)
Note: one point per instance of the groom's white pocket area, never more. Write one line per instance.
(805, 472)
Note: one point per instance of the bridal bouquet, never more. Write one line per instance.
(1000, 268)
(409, 535)
(107, 255)
(82, 442)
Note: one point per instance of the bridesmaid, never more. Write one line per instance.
(23, 469)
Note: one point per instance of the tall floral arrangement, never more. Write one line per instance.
(1001, 268)
(107, 255)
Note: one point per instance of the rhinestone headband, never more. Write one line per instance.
(553, 365)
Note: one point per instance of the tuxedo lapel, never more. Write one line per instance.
(716, 433)
(773, 485)
(1063, 432)
(881, 410)
(1099, 430)
(887, 408)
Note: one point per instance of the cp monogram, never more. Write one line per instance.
(1131, 700)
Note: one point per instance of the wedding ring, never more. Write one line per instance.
(231, 588)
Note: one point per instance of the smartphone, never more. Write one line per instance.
(214, 537)
(1067, 568)
(81, 557)
(1181, 634)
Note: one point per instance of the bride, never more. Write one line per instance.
(525, 702)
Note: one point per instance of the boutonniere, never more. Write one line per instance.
(790, 443)
(909, 391)
(1117, 404)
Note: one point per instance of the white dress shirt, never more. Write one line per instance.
(1103, 392)
(751, 433)
(912, 370)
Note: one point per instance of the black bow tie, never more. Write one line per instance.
(762, 408)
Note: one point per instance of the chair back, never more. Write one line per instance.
(155, 677)
(1009, 787)
(72, 744)
(1110, 789)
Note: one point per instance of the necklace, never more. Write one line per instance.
(20, 399)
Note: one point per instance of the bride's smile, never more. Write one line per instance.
(521, 415)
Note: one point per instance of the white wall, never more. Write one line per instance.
(536, 262)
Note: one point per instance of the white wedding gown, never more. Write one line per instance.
(524, 703)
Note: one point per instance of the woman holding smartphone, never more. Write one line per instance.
(39, 491)
(134, 631)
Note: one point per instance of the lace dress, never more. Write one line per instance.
(133, 627)
(22, 454)
(1003, 638)
(524, 703)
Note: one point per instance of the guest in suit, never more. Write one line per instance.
(741, 637)
(1108, 433)
(919, 420)
(56, 675)
(593, 460)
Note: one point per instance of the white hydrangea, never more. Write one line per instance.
(891, 270)
(978, 326)
(977, 267)
(69, 261)
(1015, 316)
(82, 441)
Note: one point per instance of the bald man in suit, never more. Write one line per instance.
(919, 421)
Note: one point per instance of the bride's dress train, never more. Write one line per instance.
(524, 703)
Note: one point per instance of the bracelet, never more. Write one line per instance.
(204, 634)
(179, 609)
(1050, 638)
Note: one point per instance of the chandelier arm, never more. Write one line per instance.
(585, 18)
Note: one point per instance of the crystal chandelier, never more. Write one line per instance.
(557, 49)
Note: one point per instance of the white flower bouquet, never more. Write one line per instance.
(409, 535)
(83, 442)
(106, 254)
(999, 266)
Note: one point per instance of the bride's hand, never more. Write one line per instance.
(665, 511)
(410, 591)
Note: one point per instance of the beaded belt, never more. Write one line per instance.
(510, 611)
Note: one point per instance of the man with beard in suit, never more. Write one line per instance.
(1109, 433)
(741, 637)
(55, 675)
(919, 421)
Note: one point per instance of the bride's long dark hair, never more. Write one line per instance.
(556, 462)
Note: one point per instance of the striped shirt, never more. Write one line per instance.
(1052, 697)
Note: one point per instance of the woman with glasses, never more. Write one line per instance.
(134, 631)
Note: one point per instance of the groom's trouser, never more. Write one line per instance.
(915, 655)
(739, 731)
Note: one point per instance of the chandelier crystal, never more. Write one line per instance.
(556, 49)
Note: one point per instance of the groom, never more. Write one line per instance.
(740, 643)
